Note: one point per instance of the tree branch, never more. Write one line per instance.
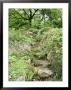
(26, 13)
(34, 12)
(20, 15)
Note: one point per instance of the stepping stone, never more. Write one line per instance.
(42, 63)
(21, 78)
(24, 46)
(43, 72)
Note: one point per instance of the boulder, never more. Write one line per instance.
(21, 78)
(43, 72)
(42, 63)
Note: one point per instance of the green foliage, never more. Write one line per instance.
(21, 17)
(18, 66)
(20, 36)
(33, 38)
(51, 40)
(36, 22)
(55, 17)
(15, 20)
(55, 44)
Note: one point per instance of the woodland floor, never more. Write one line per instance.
(40, 63)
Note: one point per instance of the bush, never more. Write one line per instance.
(55, 44)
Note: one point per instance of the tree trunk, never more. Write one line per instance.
(30, 21)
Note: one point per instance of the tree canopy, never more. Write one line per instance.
(20, 17)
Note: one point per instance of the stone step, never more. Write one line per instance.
(43, 63)
(43, 72)
(21, 78)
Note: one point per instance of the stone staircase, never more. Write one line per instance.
(42, 69)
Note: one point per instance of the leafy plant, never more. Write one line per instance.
(32, 36)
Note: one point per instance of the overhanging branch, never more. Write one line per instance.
(20, 15)
(34, 12)
(26, 12)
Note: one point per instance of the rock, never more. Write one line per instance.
(28, 61)
(49, 56)
(42, 63)
(44, 72)
(30, 33)
(21, 78)
(24, 46)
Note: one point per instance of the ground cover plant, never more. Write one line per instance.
(35, 45)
